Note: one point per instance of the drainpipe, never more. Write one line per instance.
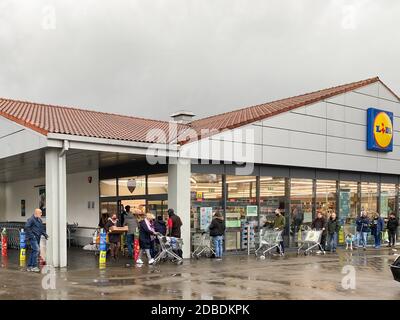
(62, 205)
(64, 149)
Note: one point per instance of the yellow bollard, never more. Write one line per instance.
(102, 259)
(22, 254)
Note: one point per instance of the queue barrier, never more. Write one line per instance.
(13, 230)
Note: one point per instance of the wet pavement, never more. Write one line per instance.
(236, 277)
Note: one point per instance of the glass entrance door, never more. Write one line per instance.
(241, 212)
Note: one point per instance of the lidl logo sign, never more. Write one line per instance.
(379, 130)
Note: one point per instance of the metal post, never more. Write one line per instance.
(248, 239)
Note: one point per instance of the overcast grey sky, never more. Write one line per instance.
(150, 58)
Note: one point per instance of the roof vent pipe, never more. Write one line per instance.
(183, 117)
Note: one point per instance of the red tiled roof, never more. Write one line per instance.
(64, 120)
(46, 119)
(238, 118)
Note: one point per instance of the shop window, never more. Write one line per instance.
(241, 210)
(326, 197)
(158, 183)
(301, 201)
(132, 186)
(108, 188)
(206, 199)
(348, 201)
(272, 197)
(388, 199)
(369, 197)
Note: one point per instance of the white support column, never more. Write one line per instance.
(56, 208)
(179, 198)
(52, 256)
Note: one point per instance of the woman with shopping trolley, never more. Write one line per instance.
(319, 224)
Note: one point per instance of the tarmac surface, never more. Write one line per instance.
(366, 275)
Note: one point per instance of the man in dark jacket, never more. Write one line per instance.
(174, 227)
(217, 230)
(333, 231)
(392, 226)
(34, 229)
(160, 226)
(319, 224)
(363, 229)
(174, 224)
(377, 228)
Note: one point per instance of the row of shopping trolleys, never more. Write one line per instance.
(269, 242)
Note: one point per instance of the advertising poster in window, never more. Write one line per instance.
(384, 204)
(205, 217)
(251, 211)
(344, 204)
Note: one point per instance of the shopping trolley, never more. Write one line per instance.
(203, 243)
(311, 239)
(169, 246)
(269, 240)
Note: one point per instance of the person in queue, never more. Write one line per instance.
(113, 238)
(160, 226)
(34, 229)
(132, 223)
(147, 235)
(377, 226)
(217, 230)
(392, 225)
(279, 224)
(333, 228)
(363, 228)
(319, 224)
(174, 227)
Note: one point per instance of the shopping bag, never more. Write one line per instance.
(42, 250)
(385, 236)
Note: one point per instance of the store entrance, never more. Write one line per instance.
(241, 215)
(158, 207)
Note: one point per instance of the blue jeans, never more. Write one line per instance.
(377, 237)
(332, 241)
(218, 246)
(33, 258)
(362, 239)
(129, 241)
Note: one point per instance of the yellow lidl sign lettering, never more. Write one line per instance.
(379, 130)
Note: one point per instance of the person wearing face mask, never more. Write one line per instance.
(113, 238)
(279, 224)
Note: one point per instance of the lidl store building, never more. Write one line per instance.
(331, 150)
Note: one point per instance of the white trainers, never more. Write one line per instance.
(151, 261)
(139, 261)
